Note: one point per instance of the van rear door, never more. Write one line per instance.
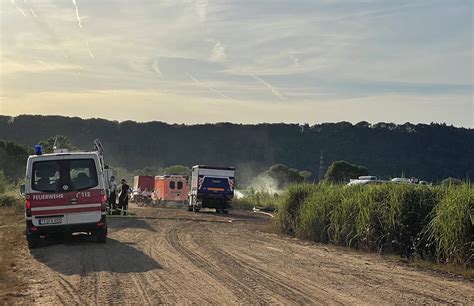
(66, 191)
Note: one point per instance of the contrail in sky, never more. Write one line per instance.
(31, 10)
(89, 50)
(273, 89)
(77, 14)
(79, 23)
(18, 8)
(156, 67)
(210, 88)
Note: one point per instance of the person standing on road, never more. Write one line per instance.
(113, 193)
(123, 196)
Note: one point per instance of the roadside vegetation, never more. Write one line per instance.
(434, 223)
(11, 231)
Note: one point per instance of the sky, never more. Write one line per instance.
(243, 61)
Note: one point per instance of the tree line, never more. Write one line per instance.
(430, 152)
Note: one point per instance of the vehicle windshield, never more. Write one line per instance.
(64, 175)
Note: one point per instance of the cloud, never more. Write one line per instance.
(12, 67)
(218, 52)
(201, 9)
(264, 52)
(156, 105)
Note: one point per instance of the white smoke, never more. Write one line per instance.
(238, 194)
(265, 184)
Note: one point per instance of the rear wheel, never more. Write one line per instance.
(33, 240)
(101, 235)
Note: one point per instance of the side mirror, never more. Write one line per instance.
(22, 190)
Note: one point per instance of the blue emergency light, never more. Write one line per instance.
(38, 150)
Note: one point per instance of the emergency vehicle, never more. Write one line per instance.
(170, 188)
(211, 187)
(65, 192)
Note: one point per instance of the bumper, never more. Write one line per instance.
(69, 228)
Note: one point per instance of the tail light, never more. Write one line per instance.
(103, 202)
(28, 206)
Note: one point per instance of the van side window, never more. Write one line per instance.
(180, 185)
(172, 185)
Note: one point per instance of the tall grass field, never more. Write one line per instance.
(428, 222)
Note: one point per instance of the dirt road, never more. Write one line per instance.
(174, 256)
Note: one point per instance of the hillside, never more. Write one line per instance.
(430, 152)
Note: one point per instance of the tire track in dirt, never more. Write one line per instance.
(201, 288)
(261, 277)
(243, 292)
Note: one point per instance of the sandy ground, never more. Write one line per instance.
(173, 256)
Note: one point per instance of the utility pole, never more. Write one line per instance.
(321, 166)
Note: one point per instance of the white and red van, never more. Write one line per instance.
(65, 193)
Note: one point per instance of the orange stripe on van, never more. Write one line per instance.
(215, 189)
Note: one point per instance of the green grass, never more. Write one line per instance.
(452, 225)
(427, 222)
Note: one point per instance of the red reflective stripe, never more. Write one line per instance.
(88, 196)
(65, 211)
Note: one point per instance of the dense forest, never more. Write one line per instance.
(431, 152)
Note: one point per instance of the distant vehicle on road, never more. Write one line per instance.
(211, 187)
(142, 187)
(404, 180)
(365, 180)
(170, 188)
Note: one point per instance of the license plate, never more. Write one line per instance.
(55, 220)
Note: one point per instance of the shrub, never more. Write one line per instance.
(7, 200)
(291, 202)
(402, 219)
